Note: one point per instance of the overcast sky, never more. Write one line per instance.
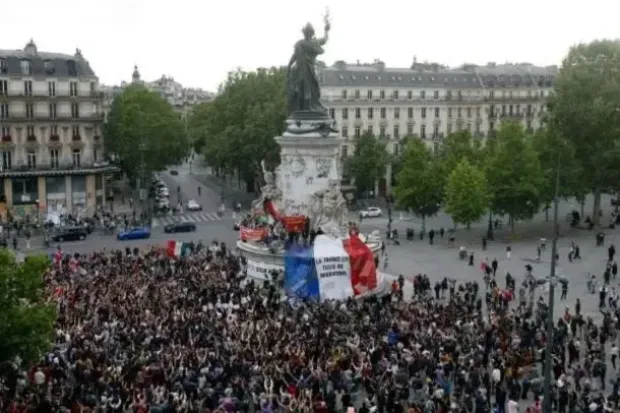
(199, 41)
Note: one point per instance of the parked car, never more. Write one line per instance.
(183, 226)
(371, 212)
(70, 234)
(193, 206)
(134, 233)
(174, 172)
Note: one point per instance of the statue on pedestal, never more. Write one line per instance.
(302, 85)
(329, 210)
(268, 192)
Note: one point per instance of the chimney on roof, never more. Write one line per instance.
(379, 64)
(340, 64)
(31, 48)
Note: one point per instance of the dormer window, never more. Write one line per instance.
(49, 67)
(25, 67)
(71, 68)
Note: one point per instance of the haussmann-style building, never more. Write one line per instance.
(431, 101)
(51, 144)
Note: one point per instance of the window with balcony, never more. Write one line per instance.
(54, 158)
(410, 113)
(28, 87)
(449, 112)
(422, 94)
(435, 131)
(383, 113)
(29, 110)
(409, 130)
(345, 132)
(345, 113)
(382, 132)
(436, 95)
(382, 94)
(96, 151)
(478, 132)
(31, 158)
(4, 111)
(3, 67)
(358, 113)
(25, 67)
(75, 110)
(396, 113)
(344, 94)
(51, 88)
(478, 112)
(358, 131)
(503, 109)
(436, 112)
(93, 87)
(491, 94)
(4, 88)
(423, 131)
(518, 109)
(75, 132)
(332, 113)
(409, 94)
(449, 129)
(369, 94)
(370, 130)
(77, 153)
(29, 131)
(396, 149)
(5, 131)
(344, 151)
(491, 126)
(53, 130)
(468, 112)
(459, 95)
(529, 109)
(449, 95)
(357, 94)
(73, 89)
(370, 113)
(7, 160)
(396, 132)
(458, 112)
(395, 95)
(423, 113)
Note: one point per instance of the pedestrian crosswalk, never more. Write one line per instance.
(195, 217)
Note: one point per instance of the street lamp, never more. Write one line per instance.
(547, 405)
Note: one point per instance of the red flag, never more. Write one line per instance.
(362, 262)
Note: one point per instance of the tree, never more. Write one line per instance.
(554, 152)
(26, 319)
(466, 194)
(238, 127)
(419, 186)
(144, 131)
(584, 111)
(458, 146)
(514, 174)
(368, 162)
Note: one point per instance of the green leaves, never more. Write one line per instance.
(236, 131)
(26, 319)
(514, 174)
(466, 193)
(368, 162)
(420, 186)
(143, 127)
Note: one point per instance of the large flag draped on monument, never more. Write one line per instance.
(330, 269)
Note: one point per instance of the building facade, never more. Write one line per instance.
(431, 101)
(182, 99)
(51, 147)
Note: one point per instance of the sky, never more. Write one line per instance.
(198, 42)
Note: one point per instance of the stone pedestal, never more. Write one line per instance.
(308, 162)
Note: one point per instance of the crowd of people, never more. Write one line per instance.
(139, 331)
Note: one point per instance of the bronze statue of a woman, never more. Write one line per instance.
(303, 87)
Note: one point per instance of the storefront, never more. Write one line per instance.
(56, 198)
(25, 192)
(78, 195)
(99, 190)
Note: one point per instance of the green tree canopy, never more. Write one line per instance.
(466, 193)
(584, 110)
(514, 174)
(458, 146)
(26, 319)
(143, 127)
(368, 162)
(419, 186)
(237, 129)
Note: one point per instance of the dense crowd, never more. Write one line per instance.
(138, 331)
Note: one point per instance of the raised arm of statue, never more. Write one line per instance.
(328, 26)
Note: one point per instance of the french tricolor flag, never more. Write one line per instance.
(330, 269)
